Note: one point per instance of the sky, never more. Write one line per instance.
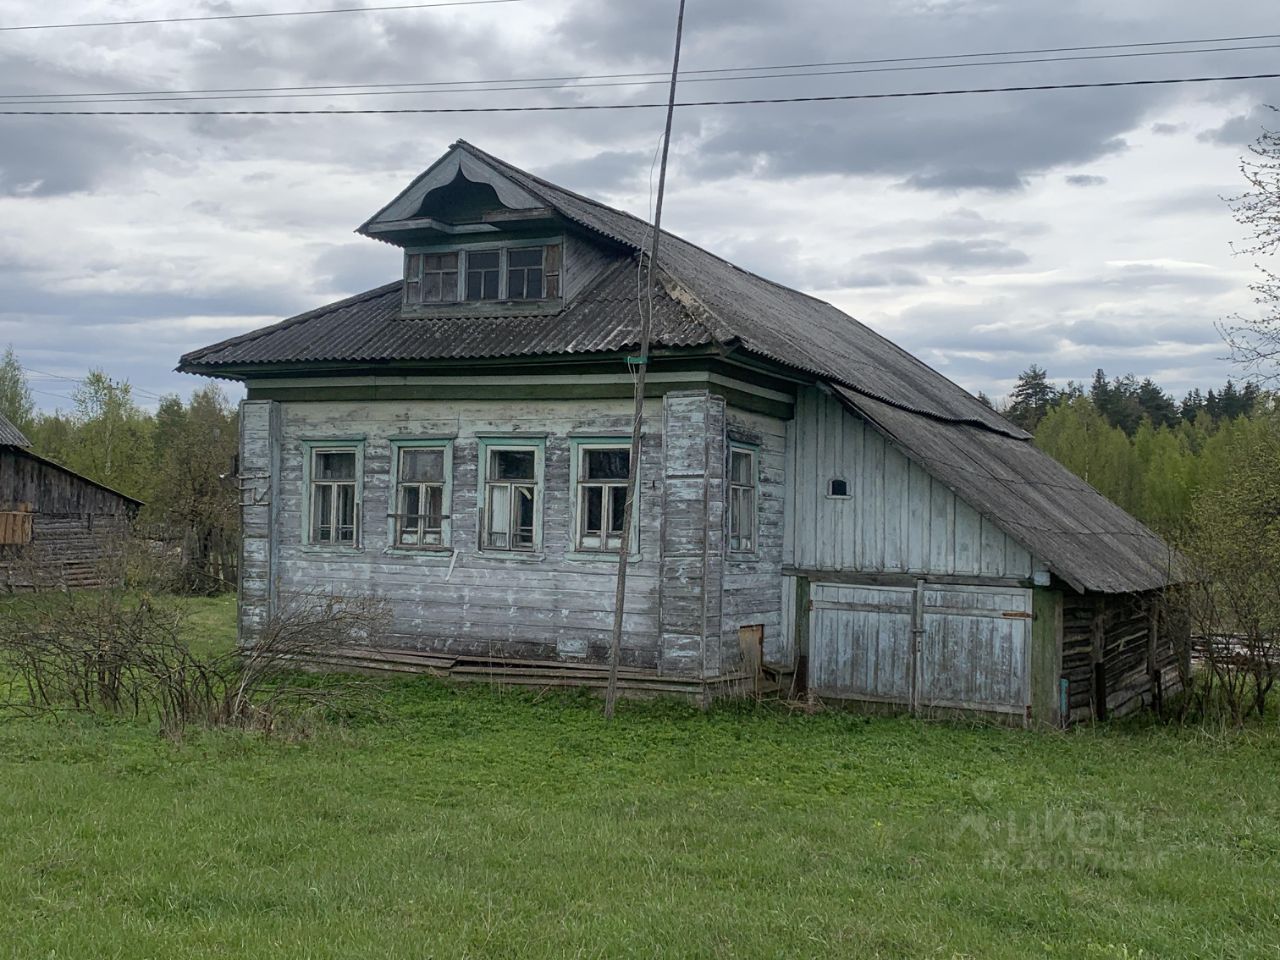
(1073, 229)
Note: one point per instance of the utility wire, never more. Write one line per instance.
(562, 108)
(686, 74)
(44, 98)
(255, 16)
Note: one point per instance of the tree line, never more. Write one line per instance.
(179, 460)
(1138, 446)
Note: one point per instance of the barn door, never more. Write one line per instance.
(860, 642)
(975, 649)
(932, 646)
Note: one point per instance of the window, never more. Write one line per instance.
(602, 496)
(516, 273)
(431, 278)
(742, 500)
(511, 493)
(422, 495)
(838, 488)
(482, 274)
(334, 507)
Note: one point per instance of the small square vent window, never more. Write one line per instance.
(838, 488)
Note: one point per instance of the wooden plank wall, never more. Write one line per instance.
(692, 543)
(753, 585)
(1129, 638)
(897, 518)
(474, 603)
(260, 434)
(76, 527)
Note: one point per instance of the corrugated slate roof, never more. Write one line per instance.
(369, 327)
(11, 436)
(1085, 538)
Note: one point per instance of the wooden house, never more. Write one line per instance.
(814, 502)
(58, 530)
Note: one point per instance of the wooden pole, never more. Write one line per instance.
(641, 368)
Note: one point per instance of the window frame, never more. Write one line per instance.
(312, 449)
(731, 489)
(503, 248)
(847, 495)
(421, 255)
(488, 445)
(394, 517)
(578, 447)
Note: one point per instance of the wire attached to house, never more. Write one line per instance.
(572, 107)
(254, 16)
(577, 83)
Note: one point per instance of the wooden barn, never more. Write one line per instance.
(57, 528)
(815, 504)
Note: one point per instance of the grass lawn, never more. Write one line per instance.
(476, 822)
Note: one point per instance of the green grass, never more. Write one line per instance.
(474, 822)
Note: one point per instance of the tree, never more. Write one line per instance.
(1079, 437)
(1255, 341)
(16, 404)
(196, 497)
(1156, 405)
(1031, 398)
(111, 440)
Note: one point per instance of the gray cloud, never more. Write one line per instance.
(1084, 180)
(953, 253)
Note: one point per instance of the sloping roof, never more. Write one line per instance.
(369, 327)
(722, 302)
(1086, 539)
(11, 436)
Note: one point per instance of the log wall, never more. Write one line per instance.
(77, 527)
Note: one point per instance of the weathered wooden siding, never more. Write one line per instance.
(690, 517)
(555, 605)
(972, 651)
(1118, 654)
(896, 519)
(78, 528)
(260, 436)
(753, 585)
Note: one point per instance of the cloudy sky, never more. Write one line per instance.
(1075, 229)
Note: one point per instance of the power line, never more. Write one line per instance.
(335, 92)
(686, 74)
(44, 375)
(563, 108)
(256, 16)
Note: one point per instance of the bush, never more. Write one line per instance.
(132, 655)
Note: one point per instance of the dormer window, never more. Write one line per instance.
(515, 273)
(483, 274)
(431, 278)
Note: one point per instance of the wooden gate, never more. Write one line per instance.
(933, 645)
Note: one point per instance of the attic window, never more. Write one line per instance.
(517, 273)
(431, 278)
(838, 488)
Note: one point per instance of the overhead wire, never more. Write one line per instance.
(611, 80)
(575, 107)
(252, 16)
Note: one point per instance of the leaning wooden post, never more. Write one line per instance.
(641, 368)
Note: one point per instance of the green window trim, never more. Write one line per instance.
(317, 492)
(578, 445)
(399, 522)
(507, 494)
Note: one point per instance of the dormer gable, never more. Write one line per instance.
(477, 243)
(457, 196)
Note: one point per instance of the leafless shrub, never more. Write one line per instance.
(133, 654)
